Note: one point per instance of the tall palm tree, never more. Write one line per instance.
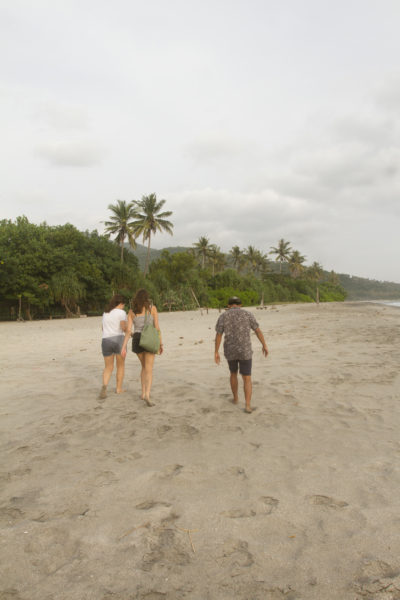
(202, 248)
(282, 252)
(149, 220)
(255, 259)
(121, 224)
(296, 261)
(217, 259)
(237, 257)
(315, 273)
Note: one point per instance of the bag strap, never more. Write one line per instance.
(147, 313)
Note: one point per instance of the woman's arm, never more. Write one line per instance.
(128, 330)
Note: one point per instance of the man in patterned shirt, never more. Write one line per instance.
(236, 324)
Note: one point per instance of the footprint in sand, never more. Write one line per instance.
(239, 513)
(148, 504)
(105, 478)
(9, 515)
(162, 430)
(10, 594)
(171, 471)
(188, 430)
(236, 554)
(269, 504)
(376, 578)
(238, 472)
(327, 501)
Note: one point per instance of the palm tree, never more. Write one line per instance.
(315, 273)
(237, 257)
(255, 259)
(282, 252)
(121, 224)
(334, 278)
(251, 256)
(66, 288)
(149, 220)
(202, 248)
(217, 258)
(296, 263)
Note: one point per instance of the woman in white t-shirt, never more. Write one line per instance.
(114, 327)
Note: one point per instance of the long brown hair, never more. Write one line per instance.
(115, 300)
(140, 300)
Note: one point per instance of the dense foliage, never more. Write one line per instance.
(59, 271)
(53, 271)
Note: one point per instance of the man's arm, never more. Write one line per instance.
(218, 338)
(260, 336)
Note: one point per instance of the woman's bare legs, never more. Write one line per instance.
(146, 375)
(120, 372)
(108, 369)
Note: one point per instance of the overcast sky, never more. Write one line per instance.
(255, 119)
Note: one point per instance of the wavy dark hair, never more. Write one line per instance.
(141, 300)
(115, 300)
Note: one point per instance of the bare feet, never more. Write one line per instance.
(120, 391)
(148, 401)
(234, 400)
(103, 392)
(249, 410)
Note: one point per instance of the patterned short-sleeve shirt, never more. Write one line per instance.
(236, 324)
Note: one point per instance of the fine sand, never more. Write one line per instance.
(193, 498)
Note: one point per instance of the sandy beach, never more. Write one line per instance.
(193, 498)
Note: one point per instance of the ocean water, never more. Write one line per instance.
(391, 303)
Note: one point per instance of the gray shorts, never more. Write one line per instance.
(112, 345)
(244, 366)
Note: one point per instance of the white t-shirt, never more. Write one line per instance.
(111, 322)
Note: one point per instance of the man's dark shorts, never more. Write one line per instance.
(244, 366)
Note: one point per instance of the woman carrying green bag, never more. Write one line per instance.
(144, 319)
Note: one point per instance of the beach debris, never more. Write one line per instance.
(145, 525)
(188, 531)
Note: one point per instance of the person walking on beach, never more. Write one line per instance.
(236, 324)
(142, 309)
(114, 326)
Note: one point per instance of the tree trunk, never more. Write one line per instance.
(122, 252)
(28, 312)
(147, 257)
(20, 318)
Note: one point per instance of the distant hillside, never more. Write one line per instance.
(357, 288)
(141, 252)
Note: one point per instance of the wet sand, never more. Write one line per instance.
(193, 498)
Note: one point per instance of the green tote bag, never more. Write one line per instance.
(149, 338)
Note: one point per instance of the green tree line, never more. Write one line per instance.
(49, 271)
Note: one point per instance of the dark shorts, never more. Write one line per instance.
(136, 347)
(112, 345)
(244, 366)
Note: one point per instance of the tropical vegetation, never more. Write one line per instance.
(56, 271)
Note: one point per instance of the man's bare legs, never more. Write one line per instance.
(247, 387)
(146, 375)
(234, 387)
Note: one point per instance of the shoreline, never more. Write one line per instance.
(395, 303)
(193, 498)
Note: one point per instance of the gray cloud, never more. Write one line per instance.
(216, 147)
(62, 117)
(71, 154)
